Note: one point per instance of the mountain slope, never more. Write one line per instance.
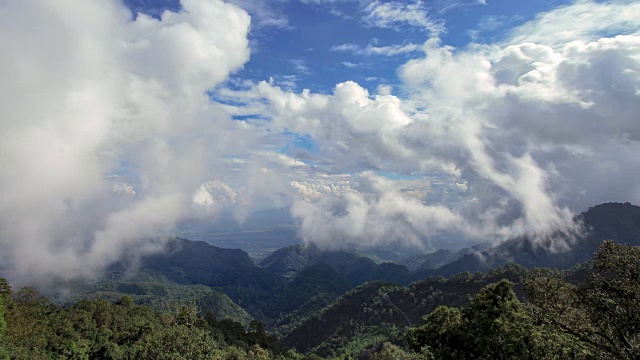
(231, 271)
(382, 309)
(164, 296)
(615, 221)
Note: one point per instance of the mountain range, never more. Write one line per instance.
(309, 296)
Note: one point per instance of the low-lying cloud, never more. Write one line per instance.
(106, 130)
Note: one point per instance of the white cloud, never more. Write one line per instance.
(380, 214)
(300, 66)
(264, 14)
(350, 65)
(391, 50)
(393, 14)
(121, 96)
(584, 20)
(345, 48)
(526, 133)
(444, 6)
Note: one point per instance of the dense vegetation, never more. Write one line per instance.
(595, 318)
(98, 329)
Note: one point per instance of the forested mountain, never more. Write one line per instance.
(290, 260)
(379, 310)
(230, 271)
(164, 296)
(298, 281)
(317, 278)
(433, 260)
(616, 221)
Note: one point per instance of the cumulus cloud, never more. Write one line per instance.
(525, 133)
(121, 97)
(379, 214)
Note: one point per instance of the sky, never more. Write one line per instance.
(427, 124)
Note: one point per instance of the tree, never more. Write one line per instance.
(3, 326)
(26, 315)
(180, 342)
(496, 325)
(439, 333)
(603, 313)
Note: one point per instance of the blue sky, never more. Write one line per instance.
(297, 43)
(317, 44)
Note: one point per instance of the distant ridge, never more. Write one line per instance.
(617, 221)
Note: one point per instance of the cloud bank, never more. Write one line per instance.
(93, 101)
(533, 130)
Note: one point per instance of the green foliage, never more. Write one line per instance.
(591, 313)
(603, 313)
(390, 351)
(310, 291)
(99, 329)
(3, 326)
(163, 296)
(496, 325)
(5, 289)
(179, 342)
(378, 307)
(439, 331)
(510, 267)
(27, 325)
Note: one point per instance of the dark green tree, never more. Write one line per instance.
(496, 325)
(603, 313)
(28, 325)
(180, 342)
(3, 326)
(393, 352)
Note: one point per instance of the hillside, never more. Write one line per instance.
(317, 278)
(615, 221)
(290, 260)
(357, 268)
(166, 297)
(230, 271)
(378, 310)
(433, 260)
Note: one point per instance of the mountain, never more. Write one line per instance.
(318, 278)
(290, 260)
(380, 311)
(163, 296)
(433, 260)
(230, 271)
(364, 270)
(312, 289)
(615, 221)
(356, 267)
